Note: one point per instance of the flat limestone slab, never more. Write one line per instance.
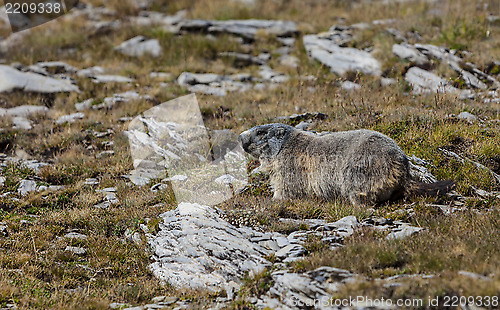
(12, 79)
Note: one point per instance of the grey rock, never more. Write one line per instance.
(187, 78)
(23, 111)
(160, 75)
(270, 244)
(291, 250)
(110, 198)
(105, 154)
(249, 28)
(71, 118)
(26, 186)
(340, 59)
(102, 78)
(468, 117)
(109, 102)
(133, 236)
(421, 174)
(349, 86)
(76, 250)
(140, 46)
(74, 235)
(84, 105)
(42, 188)
(308, 290)
(473, 275)
(246, 29)
(12, 79)
(9, 307)
(89, 72)
(21, 122)
(408, 52)
(2, 181)
(344, 227)
(470, 79)
(425, 82)
(57, 67)
(437, 52)
(3, 230)
(35, 165)
(271, 76)
(259, 86)
(91, 181)
(264, 56)
(342, 35)
(211, 84)
(388, 82)
(287, 41)
(398, 35)
(282, 241)
(404, 231)
(208, 90)
(196, 248)
(165, 300)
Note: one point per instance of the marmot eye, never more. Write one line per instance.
(260, 132)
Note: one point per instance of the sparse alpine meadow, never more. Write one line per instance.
(79, 231)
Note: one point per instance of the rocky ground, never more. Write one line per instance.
(89, 220)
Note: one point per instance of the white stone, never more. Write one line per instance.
(348, 85)
(71, 118)
(84, 105)
(76, 250)
(404, 231)
(12, 79)
(140, 46)
(466, 116)
(89, 72)
(21, 122)
(291, 250)
(408, 52)
(23, 111)
(75, 235)
(196, 248)
(26, 186)
(340, 59)
(101, 78)
(427, 82)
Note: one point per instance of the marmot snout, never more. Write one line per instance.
(362, 166)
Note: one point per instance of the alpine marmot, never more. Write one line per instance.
(362, 166)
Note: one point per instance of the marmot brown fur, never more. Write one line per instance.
(362, 166)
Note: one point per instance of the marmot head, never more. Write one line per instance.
(265, 141)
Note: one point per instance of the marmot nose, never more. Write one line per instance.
(244, 140)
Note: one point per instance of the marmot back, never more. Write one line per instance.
(362, 166)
